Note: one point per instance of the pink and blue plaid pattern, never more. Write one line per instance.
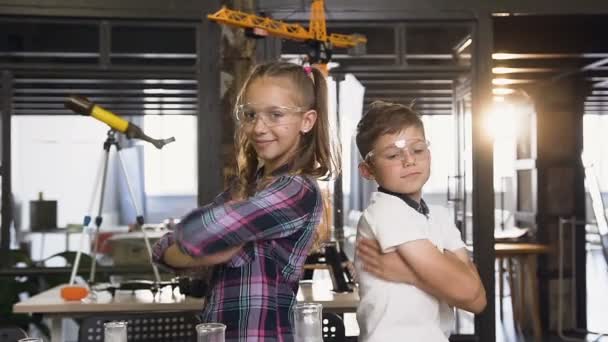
(253, 294)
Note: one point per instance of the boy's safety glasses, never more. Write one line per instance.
(399, 152)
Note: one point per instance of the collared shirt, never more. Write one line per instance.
(388, 309)
(254, 292)
(419, 207)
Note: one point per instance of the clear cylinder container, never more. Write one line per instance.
(211, 332)
(115, 332)
(308, 322)
(31, 339)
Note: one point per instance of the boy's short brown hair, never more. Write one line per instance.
(384, 118)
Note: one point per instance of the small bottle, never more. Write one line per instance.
(211, 332)
(307, 322)
(115, 331)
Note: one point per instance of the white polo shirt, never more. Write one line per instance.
(396, 311)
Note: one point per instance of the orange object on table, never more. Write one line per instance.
(74, 292)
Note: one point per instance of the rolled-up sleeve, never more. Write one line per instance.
(159, 248)
(275, 212)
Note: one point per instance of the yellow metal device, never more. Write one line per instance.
(317, 31)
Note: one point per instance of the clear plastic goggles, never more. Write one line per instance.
(400, 150)
(249, 113)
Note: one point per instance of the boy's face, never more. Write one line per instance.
(399, 162)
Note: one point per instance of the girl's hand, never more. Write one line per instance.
(386, 266)
(161, 246)
(175, 258)
(217, 258)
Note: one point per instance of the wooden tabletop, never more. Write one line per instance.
(515, 248)
(320, 292)
(50, 301)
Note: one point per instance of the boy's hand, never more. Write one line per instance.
(388, 266)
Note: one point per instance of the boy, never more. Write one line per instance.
(410, 259)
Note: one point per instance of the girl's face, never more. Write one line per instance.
(273, 119)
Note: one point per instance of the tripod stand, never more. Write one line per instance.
(102, 181)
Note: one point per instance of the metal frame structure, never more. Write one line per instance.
(478, 12)
(438, 78)
(483, 172)
(390, 11)
(35, 88)
(210, 180)
(386, 10)
(5, 169)
(316, 30)
(395, 74)
(394, 79)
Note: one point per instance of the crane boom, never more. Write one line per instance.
(317, 27)
(246, 20)
(317, 30)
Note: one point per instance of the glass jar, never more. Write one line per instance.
(308, 322)
(115, 332)
(211, 332)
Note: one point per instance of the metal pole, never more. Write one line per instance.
(573, 222)
(209, 119)
(483, 173)
(338, 231)
(86, 221)
(7, 195)
(99, 219)
(139, 214)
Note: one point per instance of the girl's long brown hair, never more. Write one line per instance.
(315, 156)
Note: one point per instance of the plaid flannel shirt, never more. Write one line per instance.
(254, 292)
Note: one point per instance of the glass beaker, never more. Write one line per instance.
(307, 322)
(115, 331)
(211, 332)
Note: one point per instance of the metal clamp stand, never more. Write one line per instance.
(112, 141)
(336, 261)
(573, 222)
(338, 266)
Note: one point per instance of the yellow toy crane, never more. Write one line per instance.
(316, 34)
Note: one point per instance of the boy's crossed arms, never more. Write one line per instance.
(449, 276)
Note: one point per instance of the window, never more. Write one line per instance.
(173, 169)
(439, 131)
(596, 146)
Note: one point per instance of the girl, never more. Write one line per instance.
(261, 229)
